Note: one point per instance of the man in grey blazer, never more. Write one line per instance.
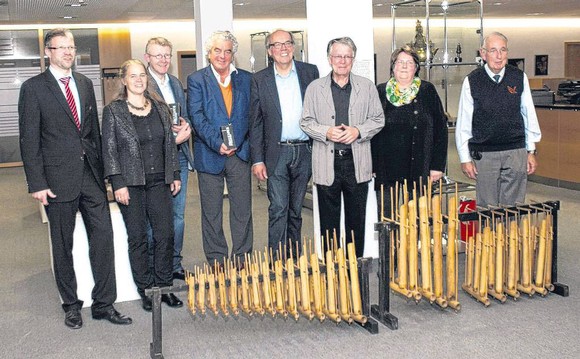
(279, 149)
(60, 142)
(158, 53)
(342, 112)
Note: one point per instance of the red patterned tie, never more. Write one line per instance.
(71, 101)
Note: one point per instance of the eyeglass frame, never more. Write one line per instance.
(162, 56)
(62, 48)
(278, 45)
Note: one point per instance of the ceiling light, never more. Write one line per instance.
(535, 14)
(241, 3)
(69, 17)
(76, 5)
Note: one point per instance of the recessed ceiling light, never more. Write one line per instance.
(69, 17)
(76, 5)
(379, 4)
(535, 14)
(241, 3)
(497, 3)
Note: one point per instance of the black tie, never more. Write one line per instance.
(496, 78)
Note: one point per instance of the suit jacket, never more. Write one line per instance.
(179, 95)
(265, 112)
(122, 149)
(365, 113)
(53, 149)
(207, 109)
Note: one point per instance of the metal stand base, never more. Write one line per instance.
(381, 311)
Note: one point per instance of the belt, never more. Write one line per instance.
(343, 153)
(293, 142)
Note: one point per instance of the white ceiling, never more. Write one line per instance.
(107, 11)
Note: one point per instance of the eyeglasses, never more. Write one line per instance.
(495, 51)
(278, 45)
(346, 58)
(162, 56)
(403, 62)
(63, 48)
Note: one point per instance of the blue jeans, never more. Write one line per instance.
(178, 218)
(287, 184)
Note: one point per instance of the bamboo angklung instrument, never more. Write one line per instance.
(425, 237)
(438, 251)
(452, 252)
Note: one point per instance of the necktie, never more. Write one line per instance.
(71, 101)
(496, 78)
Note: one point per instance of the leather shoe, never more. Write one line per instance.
(171, 300)
(179, 275)
(73, 319)
(113, 316)
(147, 303)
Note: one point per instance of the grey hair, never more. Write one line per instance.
(495, 33)
(344, 41)
(409, 51)
(221, 35)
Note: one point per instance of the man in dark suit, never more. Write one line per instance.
(280, 150)
(158, 56)
(218, 99)
(60, 144)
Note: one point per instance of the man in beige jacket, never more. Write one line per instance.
(341, 114)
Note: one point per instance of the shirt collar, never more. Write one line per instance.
(218, 77)
(292, 69)
(160, 82)
(491, 74)
(58, 74)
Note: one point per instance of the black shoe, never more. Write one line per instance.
(113, 316)
(180, 274)
(171, 300)
(147, 303)
(73, 319)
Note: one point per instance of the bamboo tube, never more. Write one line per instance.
(316, 287)
(499, 250)
(403, 254)
(526, 264)
(304, 288)
(343, 309)
(484, 261)
(223, 298)
(190, 281)
(266, 286)
(437, 247)
(292, 303)
(511, 288)
(201, 292)
(425, 238)
(541, 257)
(452, 221)
(331, 310)
(477, 268)
(212, 294)
(233, 295)
(280, 304)
(549, 252)
(470, 259)
(491, 259)
(475, 294)
(245, 289)
(413, 252)
(357, 314)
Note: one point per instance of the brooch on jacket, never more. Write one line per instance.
(512, 90)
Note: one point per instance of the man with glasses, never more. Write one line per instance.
(158, 56)
(60, 143)
(218, 99)
(342, 112)
(497, 127)
(280, 150)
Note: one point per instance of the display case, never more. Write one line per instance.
(447, 35)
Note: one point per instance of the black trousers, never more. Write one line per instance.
(94, 208)
(151, 202)
(355, 202)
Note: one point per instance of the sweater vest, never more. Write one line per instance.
(498, 124)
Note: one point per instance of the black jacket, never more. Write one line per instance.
(121, 149)
(414, 139)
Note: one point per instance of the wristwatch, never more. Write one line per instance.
(534, 152)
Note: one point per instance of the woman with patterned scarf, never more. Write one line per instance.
(413, 143)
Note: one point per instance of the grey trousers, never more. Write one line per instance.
(237, 175)
(501, 177)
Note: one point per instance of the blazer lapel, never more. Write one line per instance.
(216, 92)
(54, 88)
(270, 81)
